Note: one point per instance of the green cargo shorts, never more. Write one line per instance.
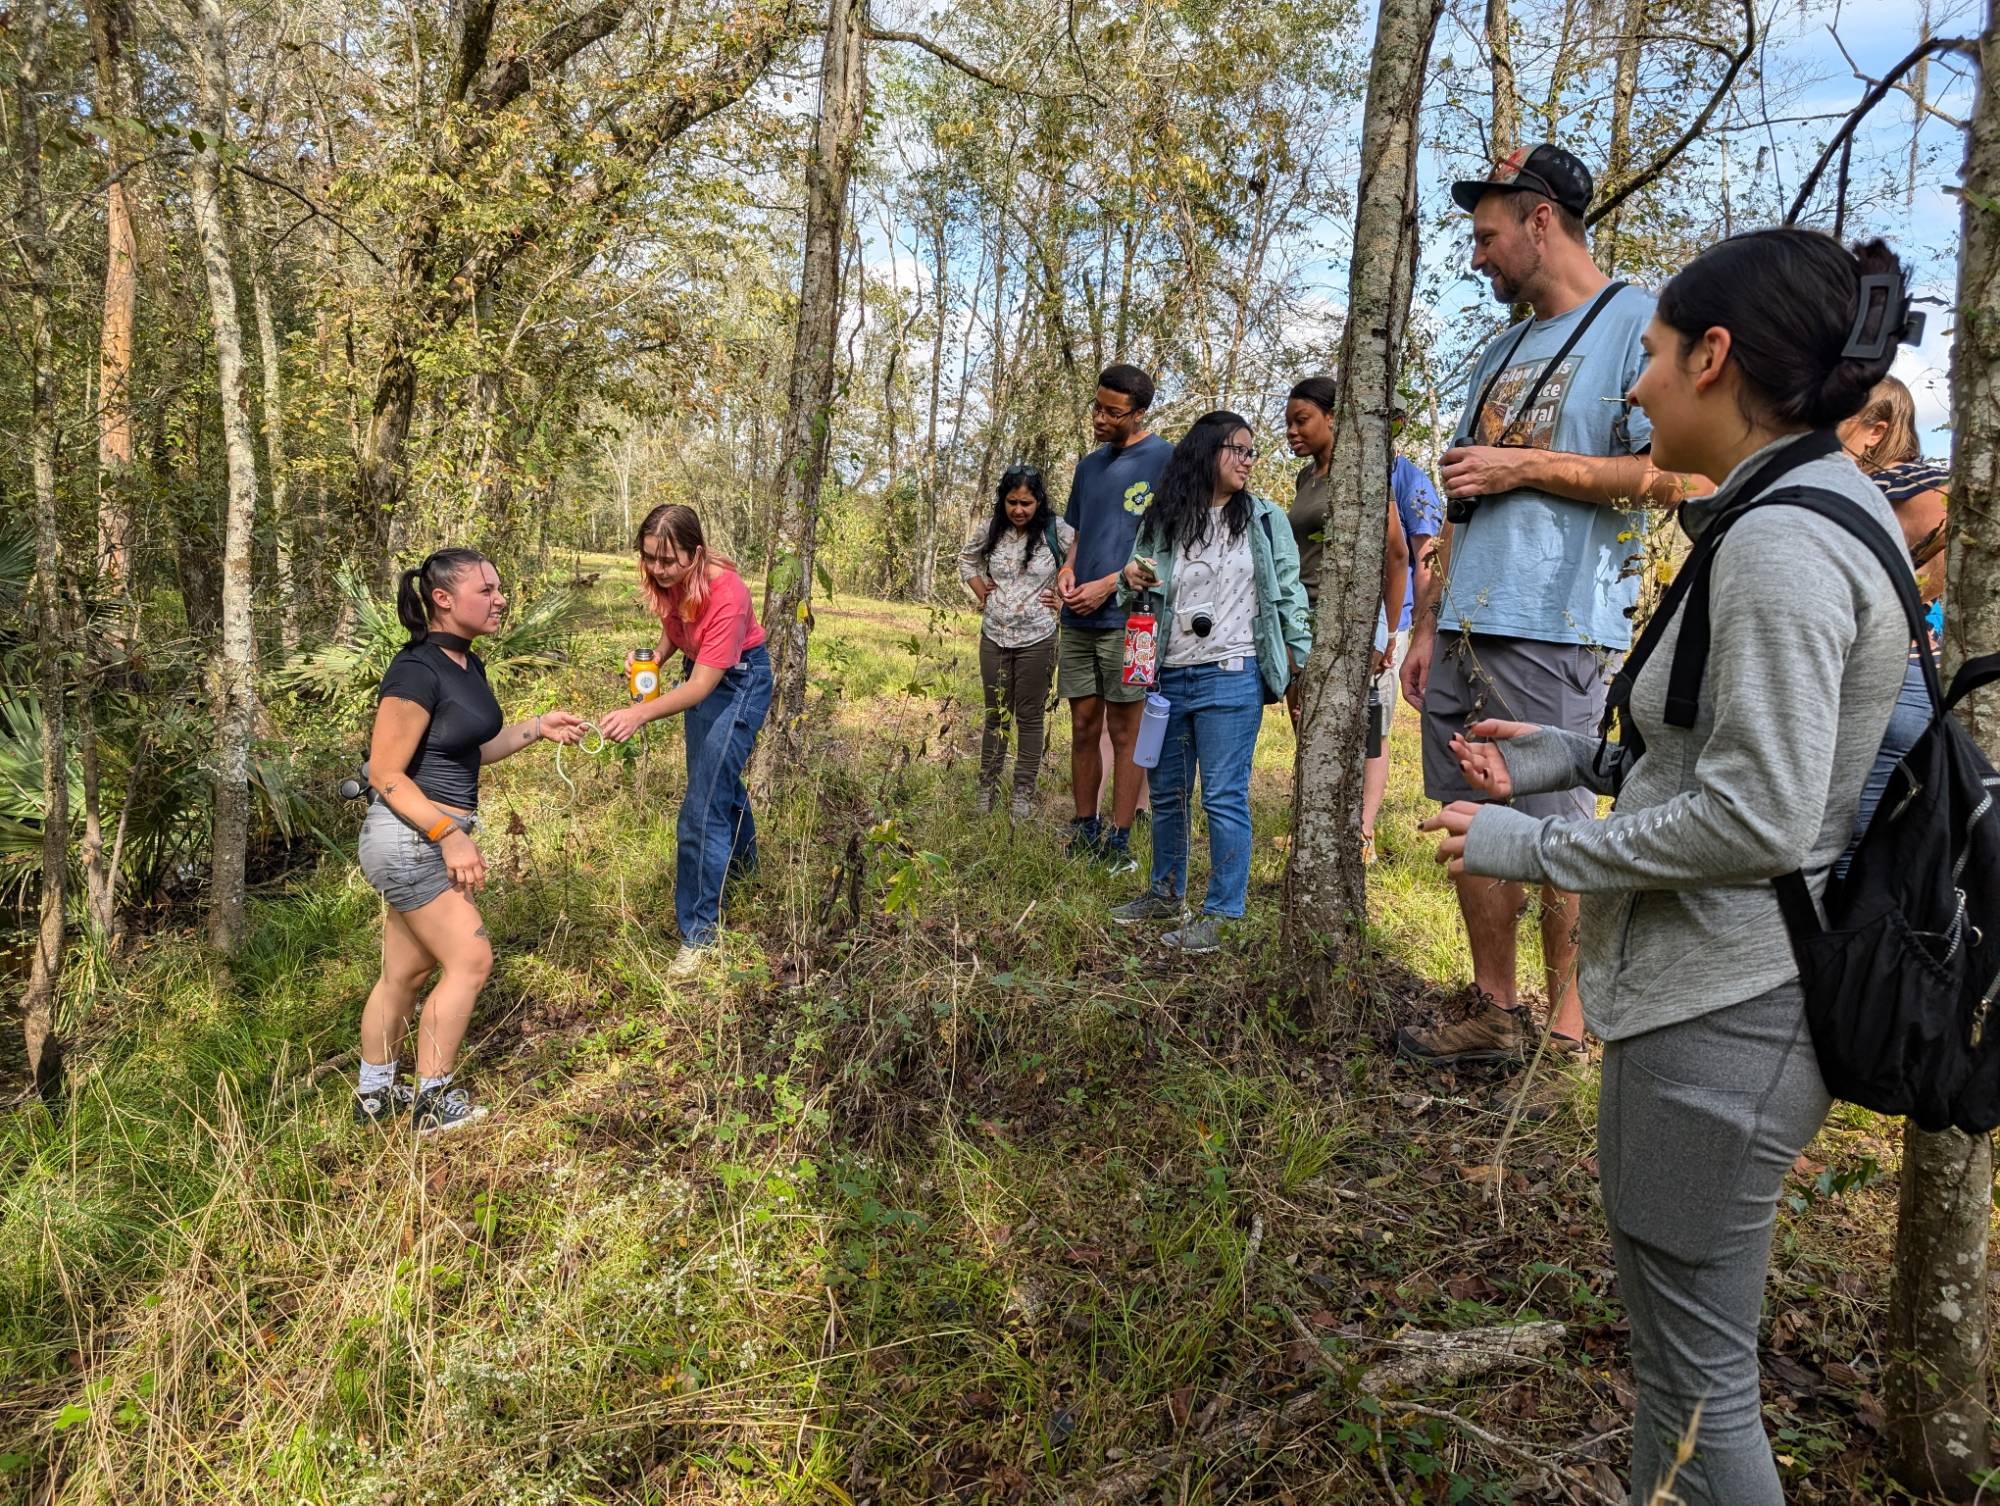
(1091, 662)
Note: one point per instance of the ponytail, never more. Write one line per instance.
(1812, 325)
(439, 570)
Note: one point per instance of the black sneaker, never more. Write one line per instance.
(1085, 834)
(385, 1105)
(1114, 852)
(443, 1109)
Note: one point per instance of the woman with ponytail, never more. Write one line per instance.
(705, 613)
(436, 724)
(1757, 351)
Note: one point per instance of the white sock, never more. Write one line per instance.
(425, 1084)
(376, 1078)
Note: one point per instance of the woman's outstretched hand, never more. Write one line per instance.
(561, 727)
(1484, 769)
(1455, 820)
(619, 726)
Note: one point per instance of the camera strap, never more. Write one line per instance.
(1527, 404)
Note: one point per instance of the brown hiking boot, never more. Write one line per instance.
(1472, 1030)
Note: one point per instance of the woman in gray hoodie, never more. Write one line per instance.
(1710, 1086)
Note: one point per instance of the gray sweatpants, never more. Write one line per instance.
(1697, 1125)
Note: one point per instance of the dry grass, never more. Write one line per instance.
(976, 1200)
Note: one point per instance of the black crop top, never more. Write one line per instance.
(464, 716)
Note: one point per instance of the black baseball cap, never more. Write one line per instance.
(1547, 170)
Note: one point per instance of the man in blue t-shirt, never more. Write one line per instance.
(1112, 490)
(1545, 485)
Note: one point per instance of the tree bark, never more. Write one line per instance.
(232, 688)
(111, 29)
(803, 452)
(274, 455)
(927, 516)
(1938, 1374)
(1325, 892)
(1618, 159)
(1506, 125)
(31, 228)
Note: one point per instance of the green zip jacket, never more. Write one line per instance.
(1284, 622)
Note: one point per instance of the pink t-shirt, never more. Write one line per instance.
(726, 629)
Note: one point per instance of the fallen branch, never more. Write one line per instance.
(1431, 1359)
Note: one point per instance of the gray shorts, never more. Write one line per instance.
(398, 861)
(1475, 676)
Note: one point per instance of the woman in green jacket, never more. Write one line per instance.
(1233, 626)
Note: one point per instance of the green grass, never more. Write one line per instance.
(975, 1200)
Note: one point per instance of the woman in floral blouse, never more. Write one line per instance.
(1008, 563)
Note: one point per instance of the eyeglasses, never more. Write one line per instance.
(1242, 452)
(1103, 412)
(1022, 470)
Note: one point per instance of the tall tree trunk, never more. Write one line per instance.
(1506, 125)
(1939, 1365)
(232, 668)
(927, 516)
(111, 35)
(31, 230)
(1618, 159)
(1325, 893)
(282, 529)
(789, 580)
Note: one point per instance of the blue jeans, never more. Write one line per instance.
(1212, 724)
(718, 835)
(1906, 724)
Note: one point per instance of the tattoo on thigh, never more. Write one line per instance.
(481, 932)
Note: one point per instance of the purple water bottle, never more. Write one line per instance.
(1152, 732)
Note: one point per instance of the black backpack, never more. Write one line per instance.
(1901, 971)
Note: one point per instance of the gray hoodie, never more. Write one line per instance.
(1808, 650)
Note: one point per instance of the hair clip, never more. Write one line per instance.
(1870, 339)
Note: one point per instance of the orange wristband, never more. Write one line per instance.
(445, 824)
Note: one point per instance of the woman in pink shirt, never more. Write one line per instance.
(705, 613)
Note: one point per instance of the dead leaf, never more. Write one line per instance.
(1180, 1406)
(1484, 1175)
(1471, 1287)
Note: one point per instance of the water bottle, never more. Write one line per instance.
(1152, 732)
(1141, 647)
(642, 675)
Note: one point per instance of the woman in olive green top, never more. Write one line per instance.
(1309, 432)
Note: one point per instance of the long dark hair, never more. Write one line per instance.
(1014, 478)
(1789, 299)
(1180, 512)
(439, 571)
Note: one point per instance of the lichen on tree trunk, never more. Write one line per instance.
(1325, 893)
(1939, 1373)
(232, 688)
(788, 583)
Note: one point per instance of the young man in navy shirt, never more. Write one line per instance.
(1112, 490)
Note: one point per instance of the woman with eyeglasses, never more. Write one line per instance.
(1008, 564)
(1309, 433)
(1233, 627)
(706, 614)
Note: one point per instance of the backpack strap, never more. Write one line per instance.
(1684, 682)
(1052, 536)
(1527, 404)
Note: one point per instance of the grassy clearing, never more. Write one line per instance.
(967, 1200)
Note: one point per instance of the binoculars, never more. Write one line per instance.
(354, 787)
